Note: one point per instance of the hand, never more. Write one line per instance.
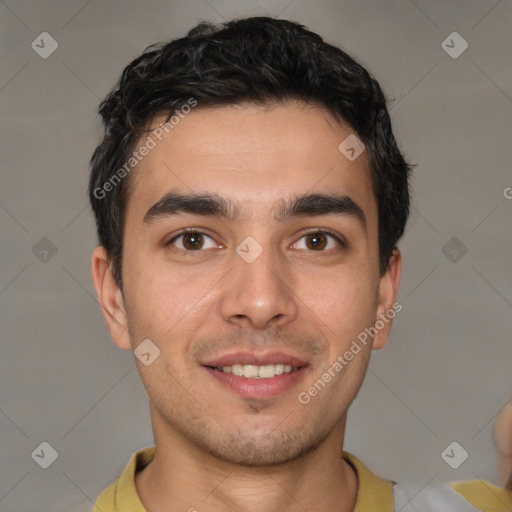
(503, 442)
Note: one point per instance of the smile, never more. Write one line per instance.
(251, 371)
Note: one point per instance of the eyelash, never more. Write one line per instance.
(336, 237)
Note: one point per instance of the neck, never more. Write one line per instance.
(182, 477)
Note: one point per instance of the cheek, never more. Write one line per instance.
(344, 302)
(165, 299)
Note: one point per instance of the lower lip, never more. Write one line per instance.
(259, 388)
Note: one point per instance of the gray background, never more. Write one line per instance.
(446, 371)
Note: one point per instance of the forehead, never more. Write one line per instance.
(255, 154)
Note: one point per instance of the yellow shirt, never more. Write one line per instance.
(374, 494)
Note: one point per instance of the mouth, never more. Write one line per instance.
(257, 376)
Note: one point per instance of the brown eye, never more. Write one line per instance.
(192, 241)
(318, 241)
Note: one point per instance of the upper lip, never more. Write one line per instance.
(253, 358)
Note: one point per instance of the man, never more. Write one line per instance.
(249, 196)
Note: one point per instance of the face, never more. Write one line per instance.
(273, 280)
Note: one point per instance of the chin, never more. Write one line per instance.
(268, 449)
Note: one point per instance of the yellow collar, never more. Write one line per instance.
(126, 495)
(373, 493)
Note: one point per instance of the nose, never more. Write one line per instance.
(259, 294)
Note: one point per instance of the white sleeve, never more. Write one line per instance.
(437, 499)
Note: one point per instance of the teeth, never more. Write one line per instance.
(237, 369)
(266, 372)
(251, 371)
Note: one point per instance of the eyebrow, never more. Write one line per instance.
(215, 205)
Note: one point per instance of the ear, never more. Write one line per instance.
(387, 306)
(111, 299)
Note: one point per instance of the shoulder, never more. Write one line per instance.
(374, 492)
(435, 499)
(106, 501)
(122, 494)
(484, 495)
(469, 496)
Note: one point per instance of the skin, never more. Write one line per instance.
(503, 442)
(234, 453)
